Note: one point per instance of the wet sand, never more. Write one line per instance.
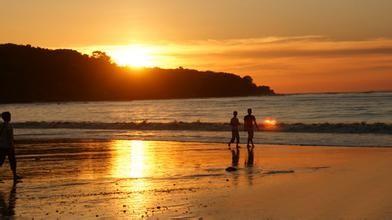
(151, 179)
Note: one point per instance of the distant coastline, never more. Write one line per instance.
(335, 93)
(33, 74)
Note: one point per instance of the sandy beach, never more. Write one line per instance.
(151, 179)
(126, 109)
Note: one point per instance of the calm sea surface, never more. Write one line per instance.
(332, 108)
(309, 108)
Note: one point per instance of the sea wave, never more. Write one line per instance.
(362, 127)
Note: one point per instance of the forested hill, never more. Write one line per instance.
(30, 74)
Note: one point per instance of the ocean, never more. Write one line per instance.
(339, 119)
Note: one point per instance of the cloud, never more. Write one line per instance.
(306, 46)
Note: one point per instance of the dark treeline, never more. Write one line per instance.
(30, 74)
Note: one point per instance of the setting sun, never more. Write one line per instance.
(270, 123)
(134, 56)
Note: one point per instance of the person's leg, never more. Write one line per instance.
(3, 153)
(232, 138)
(237, 136)
(251, 138)
(12, 160)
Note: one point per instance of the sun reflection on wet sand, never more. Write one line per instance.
(130, 159)
(130, 162)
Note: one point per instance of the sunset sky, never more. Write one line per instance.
(292, 46)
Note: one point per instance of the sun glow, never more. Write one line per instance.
(270, 123)
(134, 56)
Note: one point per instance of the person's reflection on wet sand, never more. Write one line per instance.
(235, 179)
(7, 208)
(249, 164)
(249, 176)
(235, 157)
(250, 161)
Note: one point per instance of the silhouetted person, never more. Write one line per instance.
(249, 125)
(235, 134)
(7, 147)
(7, 208)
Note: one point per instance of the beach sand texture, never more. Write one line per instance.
(152, 179)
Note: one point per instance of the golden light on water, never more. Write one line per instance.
(270, 123)
(130, 159)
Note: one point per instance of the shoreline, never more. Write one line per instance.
(88, 140)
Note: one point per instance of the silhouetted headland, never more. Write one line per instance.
(31, 74)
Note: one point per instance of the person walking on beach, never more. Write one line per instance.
(249, 125)
(7, 147)
(235, 134)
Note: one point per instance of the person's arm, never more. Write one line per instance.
(256, 125)
(244, 124)
(11, 135)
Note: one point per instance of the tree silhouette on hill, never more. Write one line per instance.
(31, 74)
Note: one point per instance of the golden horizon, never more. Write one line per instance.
(322, 64)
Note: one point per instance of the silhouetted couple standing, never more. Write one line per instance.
(249, 125)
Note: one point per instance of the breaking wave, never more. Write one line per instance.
(359, 128)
